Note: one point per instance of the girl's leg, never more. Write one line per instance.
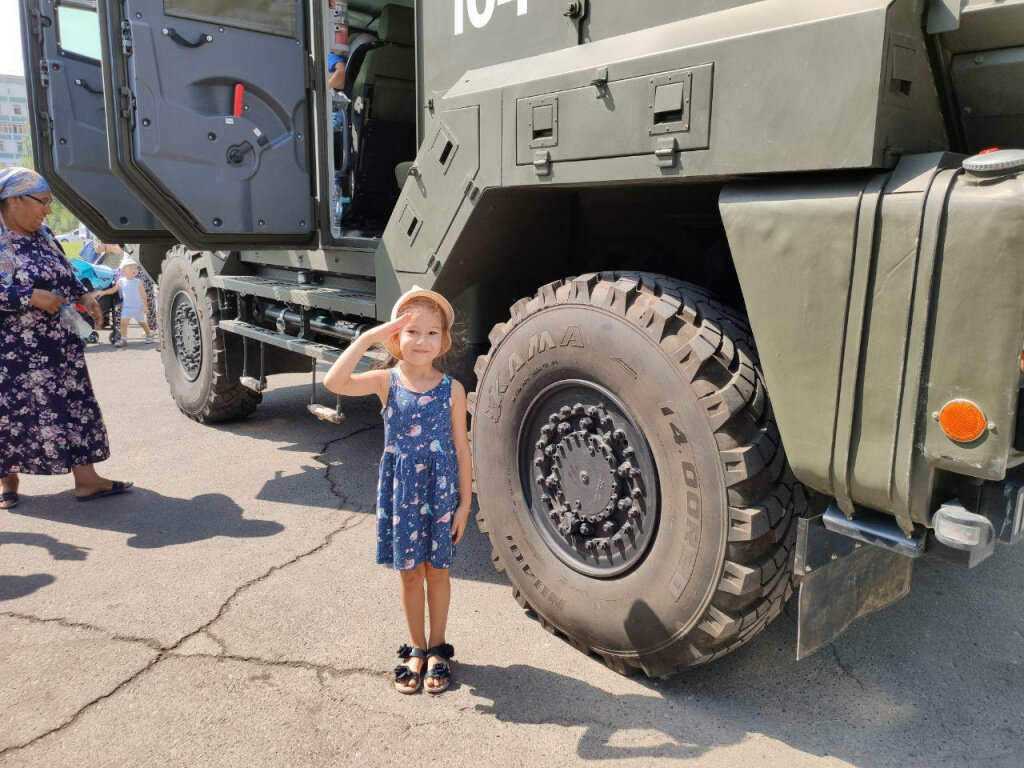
(439, 597)
(413, 605)
(88, 481)
(10, 485)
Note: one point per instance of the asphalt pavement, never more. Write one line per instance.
(226, 612)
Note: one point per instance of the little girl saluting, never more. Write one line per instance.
(425, 486)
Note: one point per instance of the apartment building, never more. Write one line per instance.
(15, 140)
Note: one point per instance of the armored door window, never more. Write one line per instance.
(78, 31)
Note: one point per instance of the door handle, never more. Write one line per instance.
(202, 39)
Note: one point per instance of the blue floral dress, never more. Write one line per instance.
(49, 418)
(418, 490)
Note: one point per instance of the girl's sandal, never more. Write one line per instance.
(440, 670)
(403, 673)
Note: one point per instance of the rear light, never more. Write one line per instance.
(962, 421)
(955, 527)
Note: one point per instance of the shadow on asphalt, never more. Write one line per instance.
(934, 680)
(12, 587)
(58, 549)
(152, 520)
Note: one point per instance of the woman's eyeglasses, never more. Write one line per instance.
(44, 203)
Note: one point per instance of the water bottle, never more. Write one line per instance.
(73, 321)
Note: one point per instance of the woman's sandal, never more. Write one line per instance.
(440, 670)
(403, 673)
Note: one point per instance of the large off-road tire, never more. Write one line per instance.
(193, 351)
(629, 471)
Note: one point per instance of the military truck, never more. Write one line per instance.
(743, 277)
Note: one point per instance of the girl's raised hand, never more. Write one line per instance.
(387, 330)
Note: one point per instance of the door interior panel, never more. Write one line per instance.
(66, 85)
(210, 123)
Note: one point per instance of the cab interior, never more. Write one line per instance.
(375, 140)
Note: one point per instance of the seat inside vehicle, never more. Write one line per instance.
(383, 115)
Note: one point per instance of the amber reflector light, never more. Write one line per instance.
(962, 421)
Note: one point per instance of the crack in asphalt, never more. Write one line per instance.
(322, 670)
(68, 624)
(82, 710)
(332, 484)
(167, 651)
(350, 521)
(845, 667)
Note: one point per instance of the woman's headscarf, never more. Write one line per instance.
(16, 182)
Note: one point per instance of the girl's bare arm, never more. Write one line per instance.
(341, 378)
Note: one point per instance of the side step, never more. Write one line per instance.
(347, 301)
(321, 352)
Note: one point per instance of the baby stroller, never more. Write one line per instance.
(97, 278)
(108, 304)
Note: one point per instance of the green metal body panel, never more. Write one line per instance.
(819, 142)
(894, 315)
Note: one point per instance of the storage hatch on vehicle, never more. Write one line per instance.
(208, 120)
(65, 88)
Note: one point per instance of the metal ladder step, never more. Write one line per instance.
(322, 352)
(347, 301)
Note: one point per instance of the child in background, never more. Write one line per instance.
(133, 300)
(425, 485)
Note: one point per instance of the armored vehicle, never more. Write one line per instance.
(745, 289)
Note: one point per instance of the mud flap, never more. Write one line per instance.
(841, 580)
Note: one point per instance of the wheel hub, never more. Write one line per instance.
(593, 490)
(186, 336)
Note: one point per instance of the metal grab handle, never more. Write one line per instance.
(202, 40)
(80, 82)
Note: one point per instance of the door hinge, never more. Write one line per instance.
(665, 153)
(577, 12)
(312, 74)
(542, 162)
(37, 22)
(126, 37)
(44, 73)
(45, 123)
(127, 105)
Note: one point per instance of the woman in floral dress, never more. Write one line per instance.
(50, 422)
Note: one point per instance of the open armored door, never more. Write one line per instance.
(61, 41)
(208, 119)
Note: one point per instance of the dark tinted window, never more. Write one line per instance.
(278, 17)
